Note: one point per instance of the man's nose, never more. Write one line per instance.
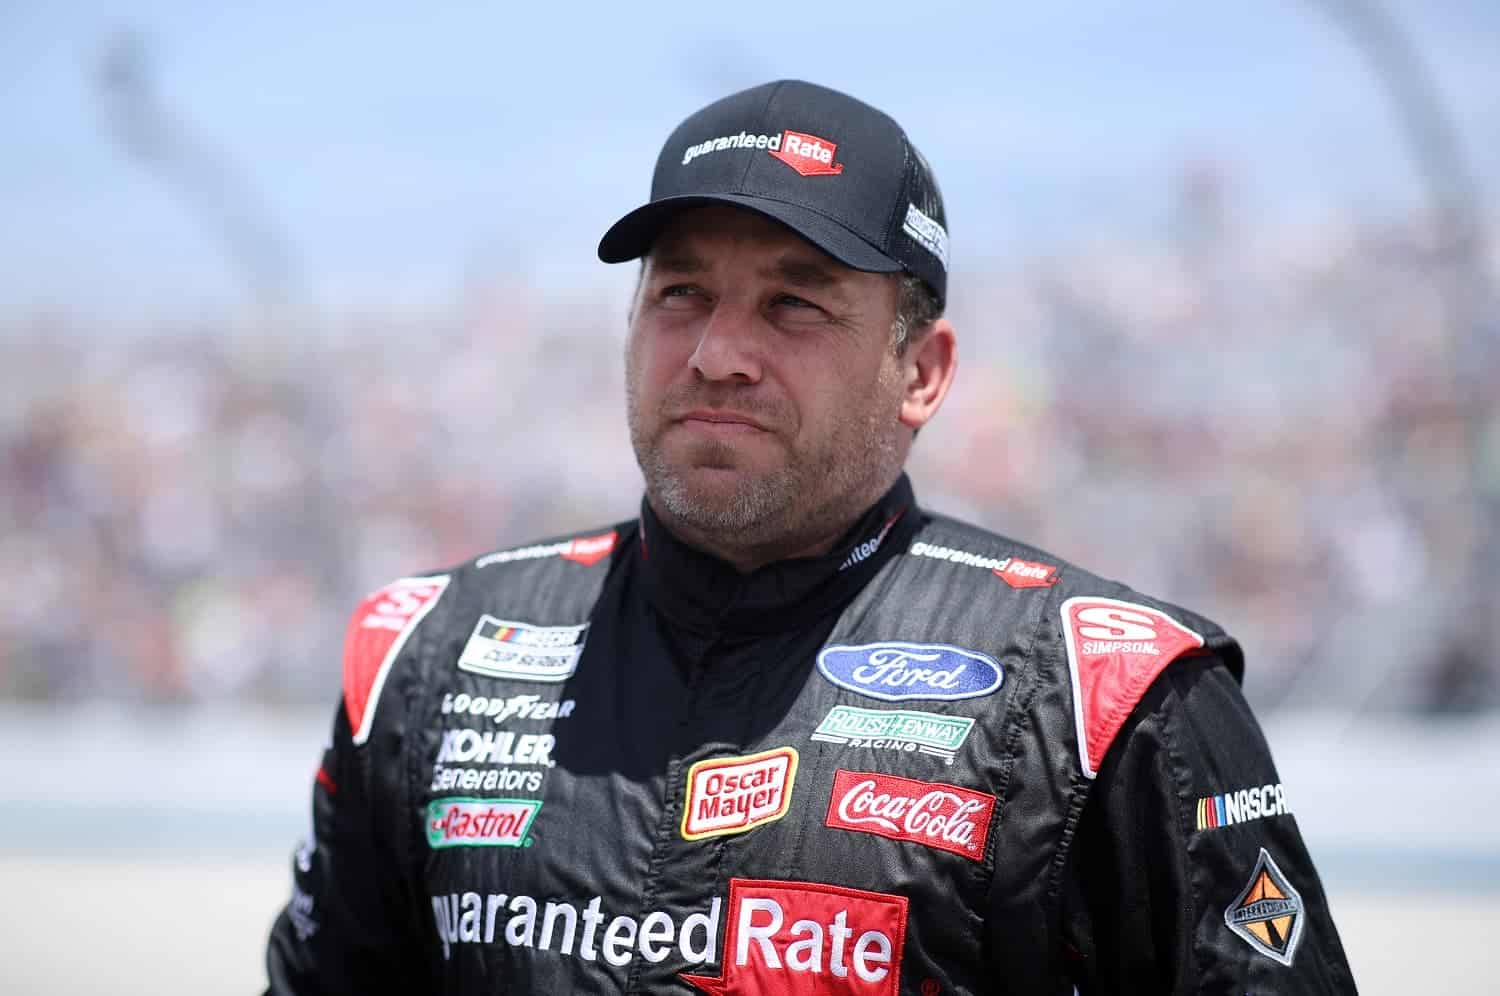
(729, 344)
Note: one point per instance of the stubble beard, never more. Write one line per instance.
(813, 494)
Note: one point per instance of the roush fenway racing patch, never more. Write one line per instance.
(809, 939)
(947, 817)
(728, 795)
(1115, 650)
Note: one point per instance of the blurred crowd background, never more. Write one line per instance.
(297, 299)
(1276, 426)
(1246, 394)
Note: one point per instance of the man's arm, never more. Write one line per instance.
(344, 930)
(1188, 873)
(351, 925)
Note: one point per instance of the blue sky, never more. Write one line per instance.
(399, 153)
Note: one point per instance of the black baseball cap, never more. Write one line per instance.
(835, 170)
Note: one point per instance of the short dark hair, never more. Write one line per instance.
(917, 307)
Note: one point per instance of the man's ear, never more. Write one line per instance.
(928, 368)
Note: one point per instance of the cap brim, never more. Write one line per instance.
(633, 235)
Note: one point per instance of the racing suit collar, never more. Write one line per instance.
(706, 595)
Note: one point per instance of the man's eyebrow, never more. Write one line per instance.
(801, 273)
(678, 261)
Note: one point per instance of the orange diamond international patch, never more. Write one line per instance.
(1268, 914)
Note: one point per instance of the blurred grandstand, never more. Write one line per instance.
(1283, 427)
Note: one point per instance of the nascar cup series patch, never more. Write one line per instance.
(501, 649)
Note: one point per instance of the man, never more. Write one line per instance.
(787, 732)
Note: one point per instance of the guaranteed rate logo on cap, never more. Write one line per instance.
(768, 150)
(807, 154)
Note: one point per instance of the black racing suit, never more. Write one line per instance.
(934, 761)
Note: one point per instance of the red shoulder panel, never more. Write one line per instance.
(1115, 650)
(376, 633)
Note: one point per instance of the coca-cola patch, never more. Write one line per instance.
(947, 817)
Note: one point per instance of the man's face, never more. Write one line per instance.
(763, 392)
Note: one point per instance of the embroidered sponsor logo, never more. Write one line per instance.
(743, 140)
(736, 794)
(377, 631)
(502, 708)
(446, 779)
(929, 733)
(898, 671)
(809, 939)
(864, 551)
(1268, 914)
(501, 649)
(1240, 807)
(461, 822)
(1020, 573)
(947, 817)
(300, 912)
(497, 747)
(1013, 571)
(927, 232)
(472, 918)
(808, 154)
(1115, 650)
(585, 550)
(514, 751)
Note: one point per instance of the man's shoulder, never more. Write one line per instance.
(1021, 565)
(556, 563)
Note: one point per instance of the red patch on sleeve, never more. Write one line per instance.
(376, 633)
(1115, 650)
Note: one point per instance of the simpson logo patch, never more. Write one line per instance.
(1240, 807)
(479, 822)
(728, 795)
(809, 939)
(1269, 913)
(501, 649)
(377, 631)
(894, 729)
(947, 817)
(1115, 650)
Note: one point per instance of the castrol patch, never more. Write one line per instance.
(1115, 650)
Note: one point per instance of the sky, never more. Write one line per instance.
(390, 153)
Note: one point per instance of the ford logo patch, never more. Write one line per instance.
(898, 671)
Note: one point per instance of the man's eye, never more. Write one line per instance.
(791, 300)
(678, 290)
